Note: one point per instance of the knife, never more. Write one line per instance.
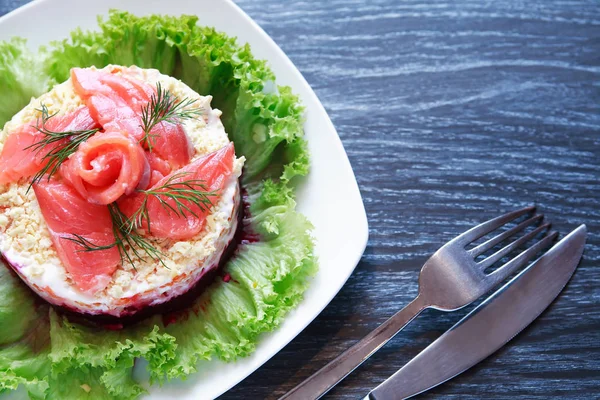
(489, 326)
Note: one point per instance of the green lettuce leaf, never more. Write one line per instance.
(83, 383)
(22, 77)
(26, 363)
(268, 277)
(25, 339)
(113, 351)
(85, 49)
(18, 308)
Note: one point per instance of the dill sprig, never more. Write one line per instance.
(126, 237)
(164, 107)
(59, 154)
(177, 197)
(184, 194)
(192, 191)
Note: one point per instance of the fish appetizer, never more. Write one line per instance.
(119, 191)
(128, 231)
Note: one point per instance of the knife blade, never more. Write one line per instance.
(490, 325)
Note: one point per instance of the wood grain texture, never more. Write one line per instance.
(451, 113)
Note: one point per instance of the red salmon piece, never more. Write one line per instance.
(106, 167)
(158, 164)
(170, 142)
(67, 213)
(159, 168)
(114, 114)
(18, 160)
(89, 82)
(213, 169)
(116, 102)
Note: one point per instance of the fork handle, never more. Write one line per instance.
(327, 377)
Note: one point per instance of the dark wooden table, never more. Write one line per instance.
(451, 113)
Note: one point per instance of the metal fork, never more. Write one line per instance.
(449, 280)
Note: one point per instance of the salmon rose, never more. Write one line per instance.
(106, 167)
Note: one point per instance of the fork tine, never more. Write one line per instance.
(497, 256)
(488, 226)
(482, 248)
(522, 259)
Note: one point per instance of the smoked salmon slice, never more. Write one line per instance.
(213, 169)
(89, 82)
(159, 168)
(116, 102)
(106, 167)
(66, 214)
(113, 113)
(18, 160)
(171, 143)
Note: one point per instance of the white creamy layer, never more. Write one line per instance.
(27, 245)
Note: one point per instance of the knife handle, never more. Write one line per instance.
(327, 377)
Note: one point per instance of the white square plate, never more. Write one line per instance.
(329, 196)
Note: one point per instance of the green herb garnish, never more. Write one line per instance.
(164, 107)
(60, 153)
(125, 230)
(192, 191)
(126, 235)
